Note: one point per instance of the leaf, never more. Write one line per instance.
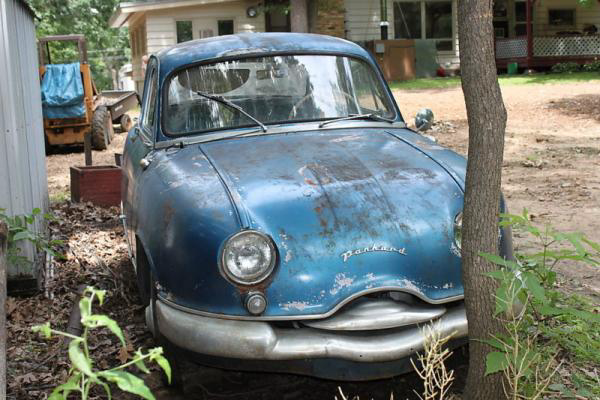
(36, 211)
(502, 300)
(141, 366)
(128, 383)
(498, 274)
(494, 343)
(78, 358)
(533, 284)
(21, 236)
(62, 392)
(95, 321)
(164, 364)
(45, 330)
(495, 361)
(84, 308)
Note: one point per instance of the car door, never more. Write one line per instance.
(139, 146)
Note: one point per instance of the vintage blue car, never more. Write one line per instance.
(281, 216)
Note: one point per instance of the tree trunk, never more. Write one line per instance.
(487, 123)
(299, 15)
(3, 266)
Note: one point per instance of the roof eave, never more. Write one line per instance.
(119, 18)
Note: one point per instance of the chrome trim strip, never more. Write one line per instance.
(273, 130)
(375, 314)
(305, 317)
(262, 341)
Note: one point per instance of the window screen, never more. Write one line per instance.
(407, 20)
(184, 31)
(561, 17)
(226, 27)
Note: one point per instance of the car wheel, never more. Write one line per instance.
(102, 128)
(126, 123)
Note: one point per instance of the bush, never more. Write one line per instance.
(593, 66)
(552, 339)
(566, 67)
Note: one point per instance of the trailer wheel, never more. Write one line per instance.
(102, 128)
(125, 123)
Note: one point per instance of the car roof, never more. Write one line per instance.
(201, 50)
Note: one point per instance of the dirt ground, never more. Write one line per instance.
(551, 158)
(552, 167)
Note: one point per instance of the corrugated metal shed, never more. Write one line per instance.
(23, 182)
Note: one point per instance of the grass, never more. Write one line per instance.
(59, 197)
(505, 80)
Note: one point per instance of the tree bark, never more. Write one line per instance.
(3, 266)
(487, 123)
(299, 15)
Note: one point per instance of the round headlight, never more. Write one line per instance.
(458, 229)
(248, 257)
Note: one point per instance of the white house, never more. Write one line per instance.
(155, 24)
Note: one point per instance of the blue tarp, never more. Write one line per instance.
(62, 91)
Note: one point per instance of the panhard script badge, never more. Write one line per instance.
(346, 255)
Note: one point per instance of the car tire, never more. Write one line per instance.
(102, 128)
(126, 123)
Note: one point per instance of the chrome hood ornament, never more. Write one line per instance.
(347, 254)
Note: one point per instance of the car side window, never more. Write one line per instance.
(368, 93)
(150, 101)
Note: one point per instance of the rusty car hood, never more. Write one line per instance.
(351, 212)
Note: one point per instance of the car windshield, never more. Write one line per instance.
(273, 90)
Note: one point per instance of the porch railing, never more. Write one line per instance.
(549, 46)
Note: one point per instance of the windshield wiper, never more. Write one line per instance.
(357, 116)
(224, 101)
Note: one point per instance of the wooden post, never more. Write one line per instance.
(3, 266)
(87, 148)
(529, 34)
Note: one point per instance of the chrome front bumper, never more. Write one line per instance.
(260, 340)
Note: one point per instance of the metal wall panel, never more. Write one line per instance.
(23, 182)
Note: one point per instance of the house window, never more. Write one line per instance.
(184, 31)
(438, 24)
(521, 18)
(563, 17)
(407, 20)
(425, 20)
(225, 27)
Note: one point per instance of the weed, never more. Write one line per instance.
(546, 330)
(19, 230)
(82, 374)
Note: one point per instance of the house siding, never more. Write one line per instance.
(161, 24)
(583, 15)
(23, 181)
(362, 24)
(157, 28)
(363, 18)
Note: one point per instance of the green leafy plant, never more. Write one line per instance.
(82, 374)
(593, 66)
(545, 328)
(566, 67)
(19, 229)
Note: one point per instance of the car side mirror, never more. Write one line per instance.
(424, 120)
